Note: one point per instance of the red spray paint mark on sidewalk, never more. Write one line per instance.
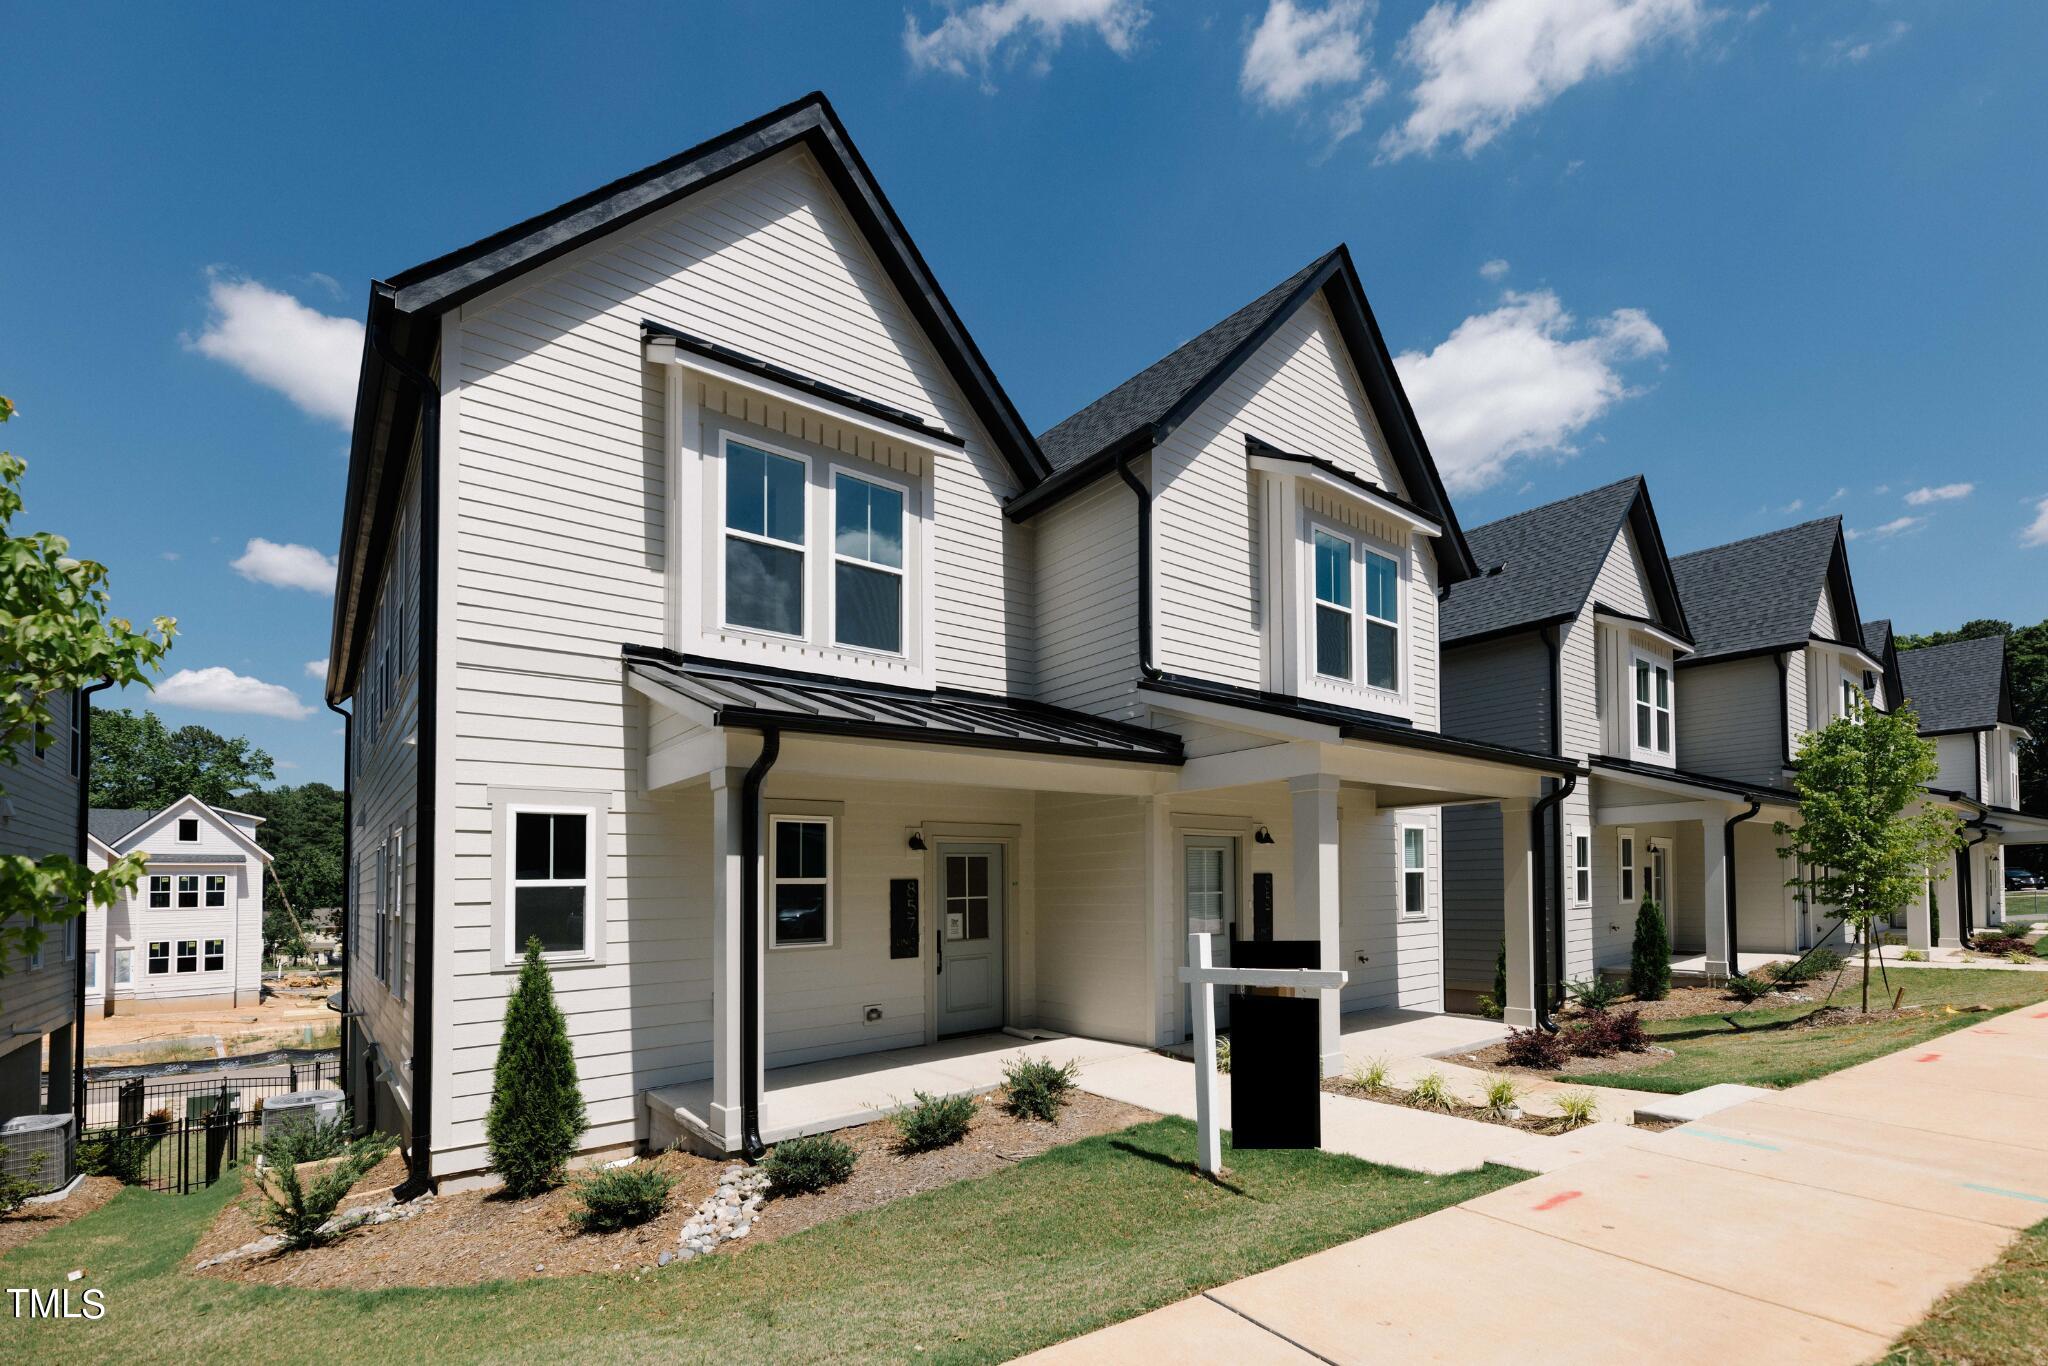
(2041, 1014)
(1562, 1197)
(1928, 1057)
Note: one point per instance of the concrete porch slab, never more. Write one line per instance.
(1698, 1104)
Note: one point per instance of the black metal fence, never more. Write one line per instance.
(179, 1134)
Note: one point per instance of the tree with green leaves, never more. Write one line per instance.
(59, 635)
(1866, 833)
(138, 761)
(302, 829)
(1649, 963)
(536, 1117)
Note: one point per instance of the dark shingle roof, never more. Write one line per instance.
(1757, 594)
(1148, 396)
(1958, 686)
(1876, 636)
(109, 823)
(1548, 558)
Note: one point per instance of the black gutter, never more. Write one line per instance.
(1547, 875)
(1650, 622)
(1256, 446)
(1146, 669)
(1494, 633)
(1728, 874)
(750, 942)
(82, 699)
(420, 1157)
(1696, 660)
(348, 882)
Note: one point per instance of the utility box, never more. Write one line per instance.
(22, 1138)
(301, 1108)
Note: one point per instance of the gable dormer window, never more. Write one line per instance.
(1333, 605)
(867, 563)
(1382, 622)
(1652, 706)
(188, 830)
(766, 497)
(1343, 635)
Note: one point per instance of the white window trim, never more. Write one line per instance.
(1847, 695)
(1669, 710)
(379, 883)
(123, 957)
(769, 880)
(902, 571)
(1627, 858)
(179, 956)
(505, 802)
(198, 891)
(149, 892)
(207, 893)
(1311, 646)
(1367, 620)
(395, 909)
(1407, 872)
(206, 952)
(513, 882)
(92, 970)
(726, 441)
(1355, 690)
(149, 967)
(1578, 839)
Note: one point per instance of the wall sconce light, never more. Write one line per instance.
(917, 840)
(1262, 836)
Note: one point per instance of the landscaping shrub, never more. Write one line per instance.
(798, 1166)
(1649, 962)
(1788, 975)
(120, 1153)
(1822, 962)
(1589, 1040)
(536, 1117)
(1370, 1075)
(1223, 1055)
(933, 1122)
(1035, 1089)
(1593, 994)
(621, 1197)
(158, 1121)
(1913, 956)
(308, 1140)
(1535, 1048)
(1750, 987)
(1577, 1108)
(295, 1209)
(1431, 1092)
(1620, 1031)
(15, 1190)
(1500, 978)
(1501, 1095)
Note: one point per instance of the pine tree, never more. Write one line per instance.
(1649, 964)
(536, 1117)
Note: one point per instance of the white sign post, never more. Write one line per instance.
(1205, 978)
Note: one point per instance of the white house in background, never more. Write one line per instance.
(711, 617)
(190, 936)
(40, 816)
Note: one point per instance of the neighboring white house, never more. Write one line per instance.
(40, 816)
(710, 616)
(190, 936)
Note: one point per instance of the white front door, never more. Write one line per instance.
(969, 957)
(1209, 899)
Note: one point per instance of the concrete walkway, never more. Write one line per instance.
(1809, 1226)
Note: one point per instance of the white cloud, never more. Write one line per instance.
(1892, 528)
(170, 555)
(2036, 532)
(1485, 63)
(1882, 489)
(1796, 505)
(1858, 49)
(1942, 493)
(1515, 382)
(277, 341)
(1496, 269)
(219, 689)
(1295, 52)
(286, 566)
(972, 39)
(316, 668)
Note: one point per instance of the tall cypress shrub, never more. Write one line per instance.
(1649, 963)
(536, 1117)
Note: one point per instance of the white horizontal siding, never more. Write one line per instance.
(1087, 601)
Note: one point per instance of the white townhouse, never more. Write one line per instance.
(190, 935)
(709, 615)
(43, 813)
(1567, 641)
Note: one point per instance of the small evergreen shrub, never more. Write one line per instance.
(1649, 962)
(1593, 994)
(1577, 1109)
(1500, 979)
(1750, 987)
(120, 1153)
(1489, 1007)
(1431, 1092)
(295, 1208)
(1035, 1089)
(933, 1122)
(799, 1166)
(1824, 961)
(622, 1197)
(1535, 1048)
(1789, 975)
(15, 1190)
(536, 1117)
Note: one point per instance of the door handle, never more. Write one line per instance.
(939, 944)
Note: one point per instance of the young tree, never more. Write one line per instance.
(536, 1116)
(139, 761)
(1866, 830)
(1649, 963)
(57, 635)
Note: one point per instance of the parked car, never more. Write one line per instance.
(2024, 880)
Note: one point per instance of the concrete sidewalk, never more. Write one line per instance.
(1812, 1225)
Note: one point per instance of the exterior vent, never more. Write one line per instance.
(22, 1138)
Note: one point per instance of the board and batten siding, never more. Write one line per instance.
(1729, 726)
(40, 818)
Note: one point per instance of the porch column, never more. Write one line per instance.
(1518, 913)
(1714, 875)
(1952, 910)
(1920, 918)
(1316, 899)
(728, 925)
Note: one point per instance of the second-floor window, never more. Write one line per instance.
(867, 563)
(1333, 606)
(765, 502)
(1345, 637)
(1653, 706)
(1851, 695)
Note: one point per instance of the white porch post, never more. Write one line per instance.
(728, 925)
(1317, 900)
(1715, 872)
(1920, 919)
(1518, 913)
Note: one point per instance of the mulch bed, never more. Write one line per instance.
(33, 1221)
(471, 1237)
(1495, 1059)
(1548, 1125)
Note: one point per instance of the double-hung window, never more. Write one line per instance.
(1582, 867)
(377, 890)
(216, 955)
(551, 857)
(1625, 863)
(765, 499)
(188, 891)
(1653, 706)
(1414, 870)
(159, 892)
(1382, 622)
(159, 956)
(216, 890)
(188, 955)
(1333, 605)
(1851, 696)
(800, 881)
(77, 735)
(92, 970)
(867, 563)
(394, 906)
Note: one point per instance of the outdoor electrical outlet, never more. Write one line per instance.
(871, 1013)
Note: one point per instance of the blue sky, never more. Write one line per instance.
(1782, 258)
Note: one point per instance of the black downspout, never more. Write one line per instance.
(1728, 873)
(750, 943)
(348, 883)
(1146, 668)
(426, 773)
(1784, 709)
(1553, 833)
(1966, 892)
(1546, 880)
(1555, 643)
(83, 701)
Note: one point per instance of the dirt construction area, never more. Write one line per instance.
(294, 1015)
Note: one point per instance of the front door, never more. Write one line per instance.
(1209, 898)
(970, 938)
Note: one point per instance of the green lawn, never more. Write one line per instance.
(1079, 1237)
(1766, 1052)
(2026, 906)
(2000, 1317)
